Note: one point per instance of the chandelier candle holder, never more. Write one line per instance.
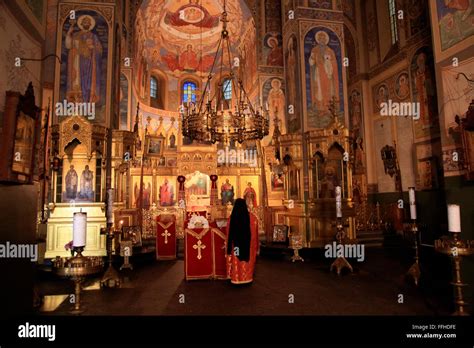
(456, 249)
(414, 271)
(213, 118)
(78, 267)
(341, 262)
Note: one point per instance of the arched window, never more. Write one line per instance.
(153, 87)
(393, 20)
(227, 89)
(157, 95)
(189, 92)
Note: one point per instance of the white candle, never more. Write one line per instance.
(411, 194)
(79, 228)
(413, 211)
(411, 199)
(454, 218)
(338, 202)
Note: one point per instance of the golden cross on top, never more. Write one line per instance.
(166, 234)
(199, 246)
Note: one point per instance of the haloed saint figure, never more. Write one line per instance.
(84, 61)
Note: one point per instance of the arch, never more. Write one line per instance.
(160, 101)
(189, 79)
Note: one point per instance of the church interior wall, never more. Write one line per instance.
(450, 49)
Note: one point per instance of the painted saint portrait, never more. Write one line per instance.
(227, 193)
(424, 92)
(273, 49)
(274, 98)
(250, 196)
(84, 61)
(381, 96)
(167, 197)
(323, 76)
(293, 85)
(456, 21)
(402, 86)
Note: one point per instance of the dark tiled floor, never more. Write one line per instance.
(154, 288)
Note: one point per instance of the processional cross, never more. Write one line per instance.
(166, 234)
(199, 246)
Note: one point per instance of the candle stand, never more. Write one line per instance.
(111, 277)
(77, 268)
(456, 249)
(296, 245)
(340, 263)
(414, 270)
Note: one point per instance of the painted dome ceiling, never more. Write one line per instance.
(180, 36)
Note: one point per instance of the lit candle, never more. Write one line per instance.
(338, 202)
(79, 228)
(454, 218)
(411, 198)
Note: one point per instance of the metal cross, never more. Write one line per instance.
(166, 234)
(199, 246)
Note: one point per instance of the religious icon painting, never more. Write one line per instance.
(78, 180)
(171, 161)
(146, 192)
(277, 178)
(273, 51)
(424, 93)
(227, 189)
(325, 92)
(154, 146)
(381, 96)
(402, 86)
(84, 55)
(249, 187)
(167, 191)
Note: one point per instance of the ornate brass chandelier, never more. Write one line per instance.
(214, 120)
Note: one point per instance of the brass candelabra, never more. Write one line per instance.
(340, 263)
(456, 249)
(77, 268)
(414, 271)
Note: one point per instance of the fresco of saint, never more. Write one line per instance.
(324, 73)
(276, 101)
(84, 61)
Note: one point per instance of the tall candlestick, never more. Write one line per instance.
(338, 202)
(454, 218)
(411, 198)
(79, 229)
(411, 194)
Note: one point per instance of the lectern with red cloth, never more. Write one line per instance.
(205, 253)
(166, 237)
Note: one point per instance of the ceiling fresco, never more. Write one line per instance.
(180, 36)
